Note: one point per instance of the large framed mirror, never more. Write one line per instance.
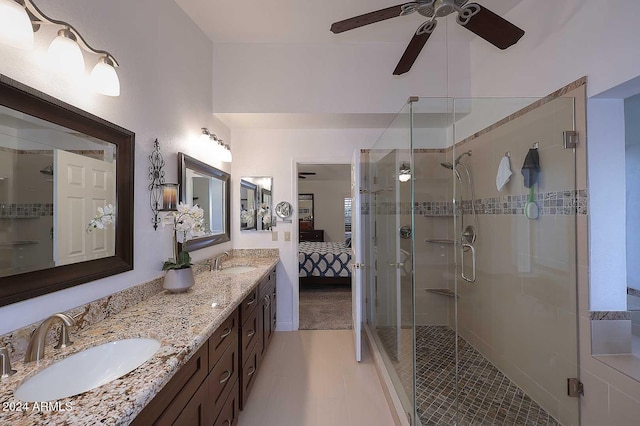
(256, 203)
(208, 187)
(58, 166)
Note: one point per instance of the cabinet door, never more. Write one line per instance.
(197, 412)
(229, 413)
(250, 334)
(249, 370)
(223, 376)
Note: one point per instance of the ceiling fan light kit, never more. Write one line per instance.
(472, 16)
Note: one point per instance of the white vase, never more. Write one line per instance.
(179, 280)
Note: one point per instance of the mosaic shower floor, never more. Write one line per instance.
(486, 396)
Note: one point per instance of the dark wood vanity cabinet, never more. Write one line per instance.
(262, 320)
(199, 393)
(212, 387)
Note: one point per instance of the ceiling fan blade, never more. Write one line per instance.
(415, 47)
(491, 27)
(369, 18)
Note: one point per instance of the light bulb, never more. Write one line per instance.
(226, 154)
(205, 136)
(104, 78)
(404, 177)
(65, 54)
(15, 25)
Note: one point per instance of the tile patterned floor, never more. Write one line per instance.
(486, 396)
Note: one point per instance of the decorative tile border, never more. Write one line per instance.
(558, 203)
(14, 210)
(609, 315)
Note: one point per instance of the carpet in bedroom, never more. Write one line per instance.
(325, 307)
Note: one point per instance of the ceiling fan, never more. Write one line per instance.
(303, 175)
(477, 19)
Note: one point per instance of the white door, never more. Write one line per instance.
(81, 185)
(357, 254)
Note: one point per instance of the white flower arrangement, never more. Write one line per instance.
(106, 216)
(265, 214)
(187, 223)
(246, 216)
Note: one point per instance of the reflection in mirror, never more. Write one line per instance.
(207, 187)
(59, 167)
(52, 182)
(255, 203)
(305, 212)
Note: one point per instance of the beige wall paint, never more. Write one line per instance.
(328, 205)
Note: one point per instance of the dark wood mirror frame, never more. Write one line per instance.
(15, 288)
(185, 162)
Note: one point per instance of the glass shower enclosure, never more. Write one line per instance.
(469, 219)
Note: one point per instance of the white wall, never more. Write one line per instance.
(563, 41)
(165, 75)
(632, 151)
(328, 205)
(337, 77)
(275, 152)
(607, 232)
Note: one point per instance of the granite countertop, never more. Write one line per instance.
(181, 322)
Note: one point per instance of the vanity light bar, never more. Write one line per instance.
(222, 150)
(20, 19)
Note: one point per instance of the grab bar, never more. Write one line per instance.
(473, 263)
(440, 241)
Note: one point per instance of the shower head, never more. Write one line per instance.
(47, 170)
(447, 165)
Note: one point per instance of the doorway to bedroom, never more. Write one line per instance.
(324, 246)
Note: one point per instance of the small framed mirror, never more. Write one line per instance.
(209, 188)
(256, 203)
(305, 212)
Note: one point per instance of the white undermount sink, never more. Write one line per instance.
(87, 370)
(237, 269)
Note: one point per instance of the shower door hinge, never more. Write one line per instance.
(569, 139)
(575, 388)
(358, 266)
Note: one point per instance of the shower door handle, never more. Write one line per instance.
(471, 279)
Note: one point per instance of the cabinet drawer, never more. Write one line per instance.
(229, 414)
(249, 334)
(172, 399)
(222, 337)
(248, 305)
(249, 370)
(223, 376)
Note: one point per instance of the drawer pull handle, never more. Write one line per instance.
(228, 373)
(251, 302)
(227, 421)
(251, 371)
(250, 333)
(274, 322)
(227, 331)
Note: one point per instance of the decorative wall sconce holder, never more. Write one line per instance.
(163, 197)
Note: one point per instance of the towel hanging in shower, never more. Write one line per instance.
(504, 173)
(531, 168)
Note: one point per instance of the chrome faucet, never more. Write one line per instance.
(35, 350)
(6, 369)
(216, 261)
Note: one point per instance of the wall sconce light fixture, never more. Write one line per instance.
(163, 197)
(20, 19)
(222, 150)
(405, 173)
